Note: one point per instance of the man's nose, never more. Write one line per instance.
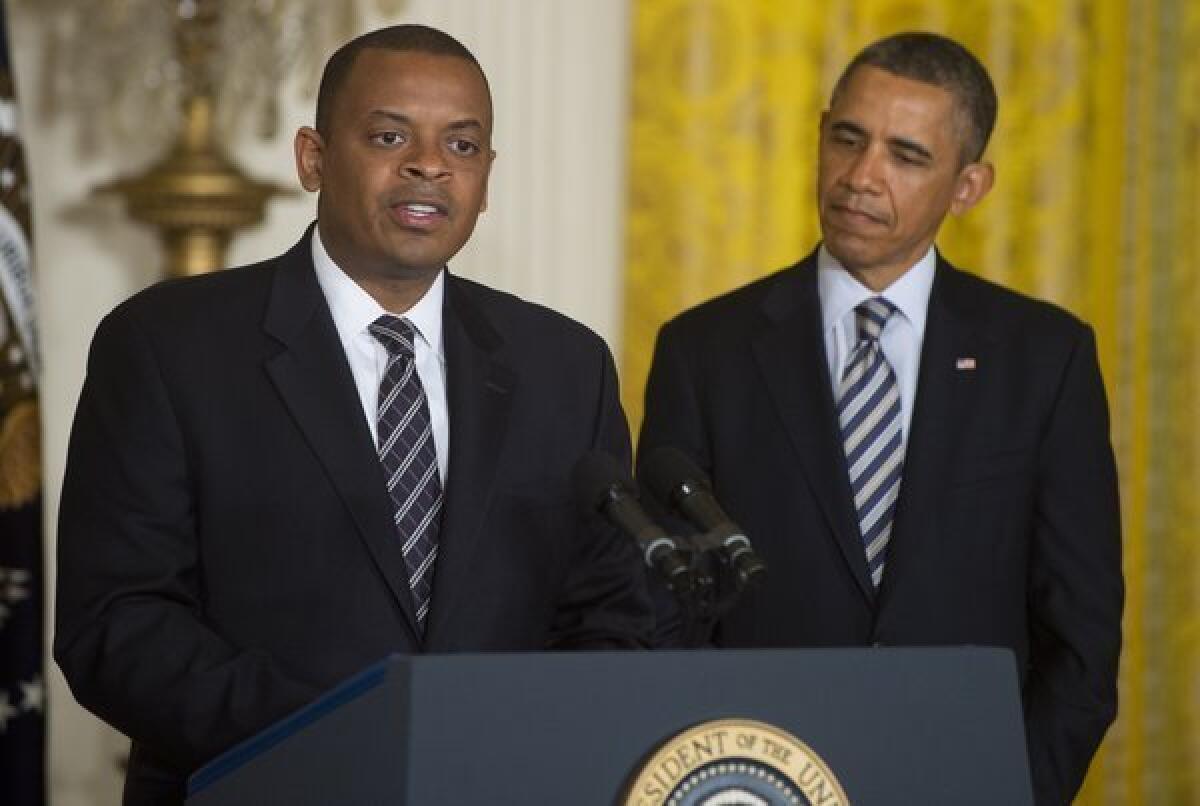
(425, 160)
(864, 173)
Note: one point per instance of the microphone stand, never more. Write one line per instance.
(715, 586)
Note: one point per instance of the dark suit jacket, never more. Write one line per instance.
(1006, 532)
(225, 541)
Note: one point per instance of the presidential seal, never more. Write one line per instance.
(735, 762)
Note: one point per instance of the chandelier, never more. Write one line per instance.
(182, 76)
(123, 68)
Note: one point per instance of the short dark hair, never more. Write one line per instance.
(410, 38)
(940, 61)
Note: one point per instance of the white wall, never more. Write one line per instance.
(552, 233)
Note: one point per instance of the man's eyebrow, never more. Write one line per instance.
(847, 127)
(403, 119)
(904, 144)
(395, 117)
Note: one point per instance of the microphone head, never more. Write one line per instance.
(595, 476)
(666, 469)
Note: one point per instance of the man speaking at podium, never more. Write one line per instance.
(920, 457)
(282, 473)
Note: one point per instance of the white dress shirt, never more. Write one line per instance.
(903, 334)
(354, 310)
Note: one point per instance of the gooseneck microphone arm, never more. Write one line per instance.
(602, 487)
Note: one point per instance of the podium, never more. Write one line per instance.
(889, 725)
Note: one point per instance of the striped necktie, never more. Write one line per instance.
(872, 436)
(409, 457)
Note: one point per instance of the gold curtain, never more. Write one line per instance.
(1095, 208)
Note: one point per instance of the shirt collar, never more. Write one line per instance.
(353, 309)
(841, 293)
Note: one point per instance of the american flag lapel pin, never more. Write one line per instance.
(964, 364)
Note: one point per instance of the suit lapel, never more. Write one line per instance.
(791, 354)
(314, 380)
(946, 392)
(479, 394)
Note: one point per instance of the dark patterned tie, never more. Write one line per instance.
(872, 434)
(409, 457)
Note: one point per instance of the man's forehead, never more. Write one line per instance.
(378, 74)
(371, 61)
(873, 97)
(876, 83)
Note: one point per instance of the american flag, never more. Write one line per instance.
(22, 691)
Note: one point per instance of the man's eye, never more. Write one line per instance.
(463, 147)
(388, 138)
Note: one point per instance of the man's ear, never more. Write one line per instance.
(974, 181)
(310, 149)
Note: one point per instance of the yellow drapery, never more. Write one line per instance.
(1095, 208)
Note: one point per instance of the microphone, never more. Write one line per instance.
(602, 486)
(676, 481)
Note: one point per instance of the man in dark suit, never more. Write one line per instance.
(282, 473)
(920, 457)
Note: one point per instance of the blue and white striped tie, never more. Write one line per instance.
(409, 457)
(872, 434)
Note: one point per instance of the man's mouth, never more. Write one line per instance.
(854, 214)
(419, 214)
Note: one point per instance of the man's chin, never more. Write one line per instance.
(851, 252)
(422, 254)
(419, 262)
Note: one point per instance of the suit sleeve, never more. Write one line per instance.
(1076, 589)
(604, 602)
(130, 635)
